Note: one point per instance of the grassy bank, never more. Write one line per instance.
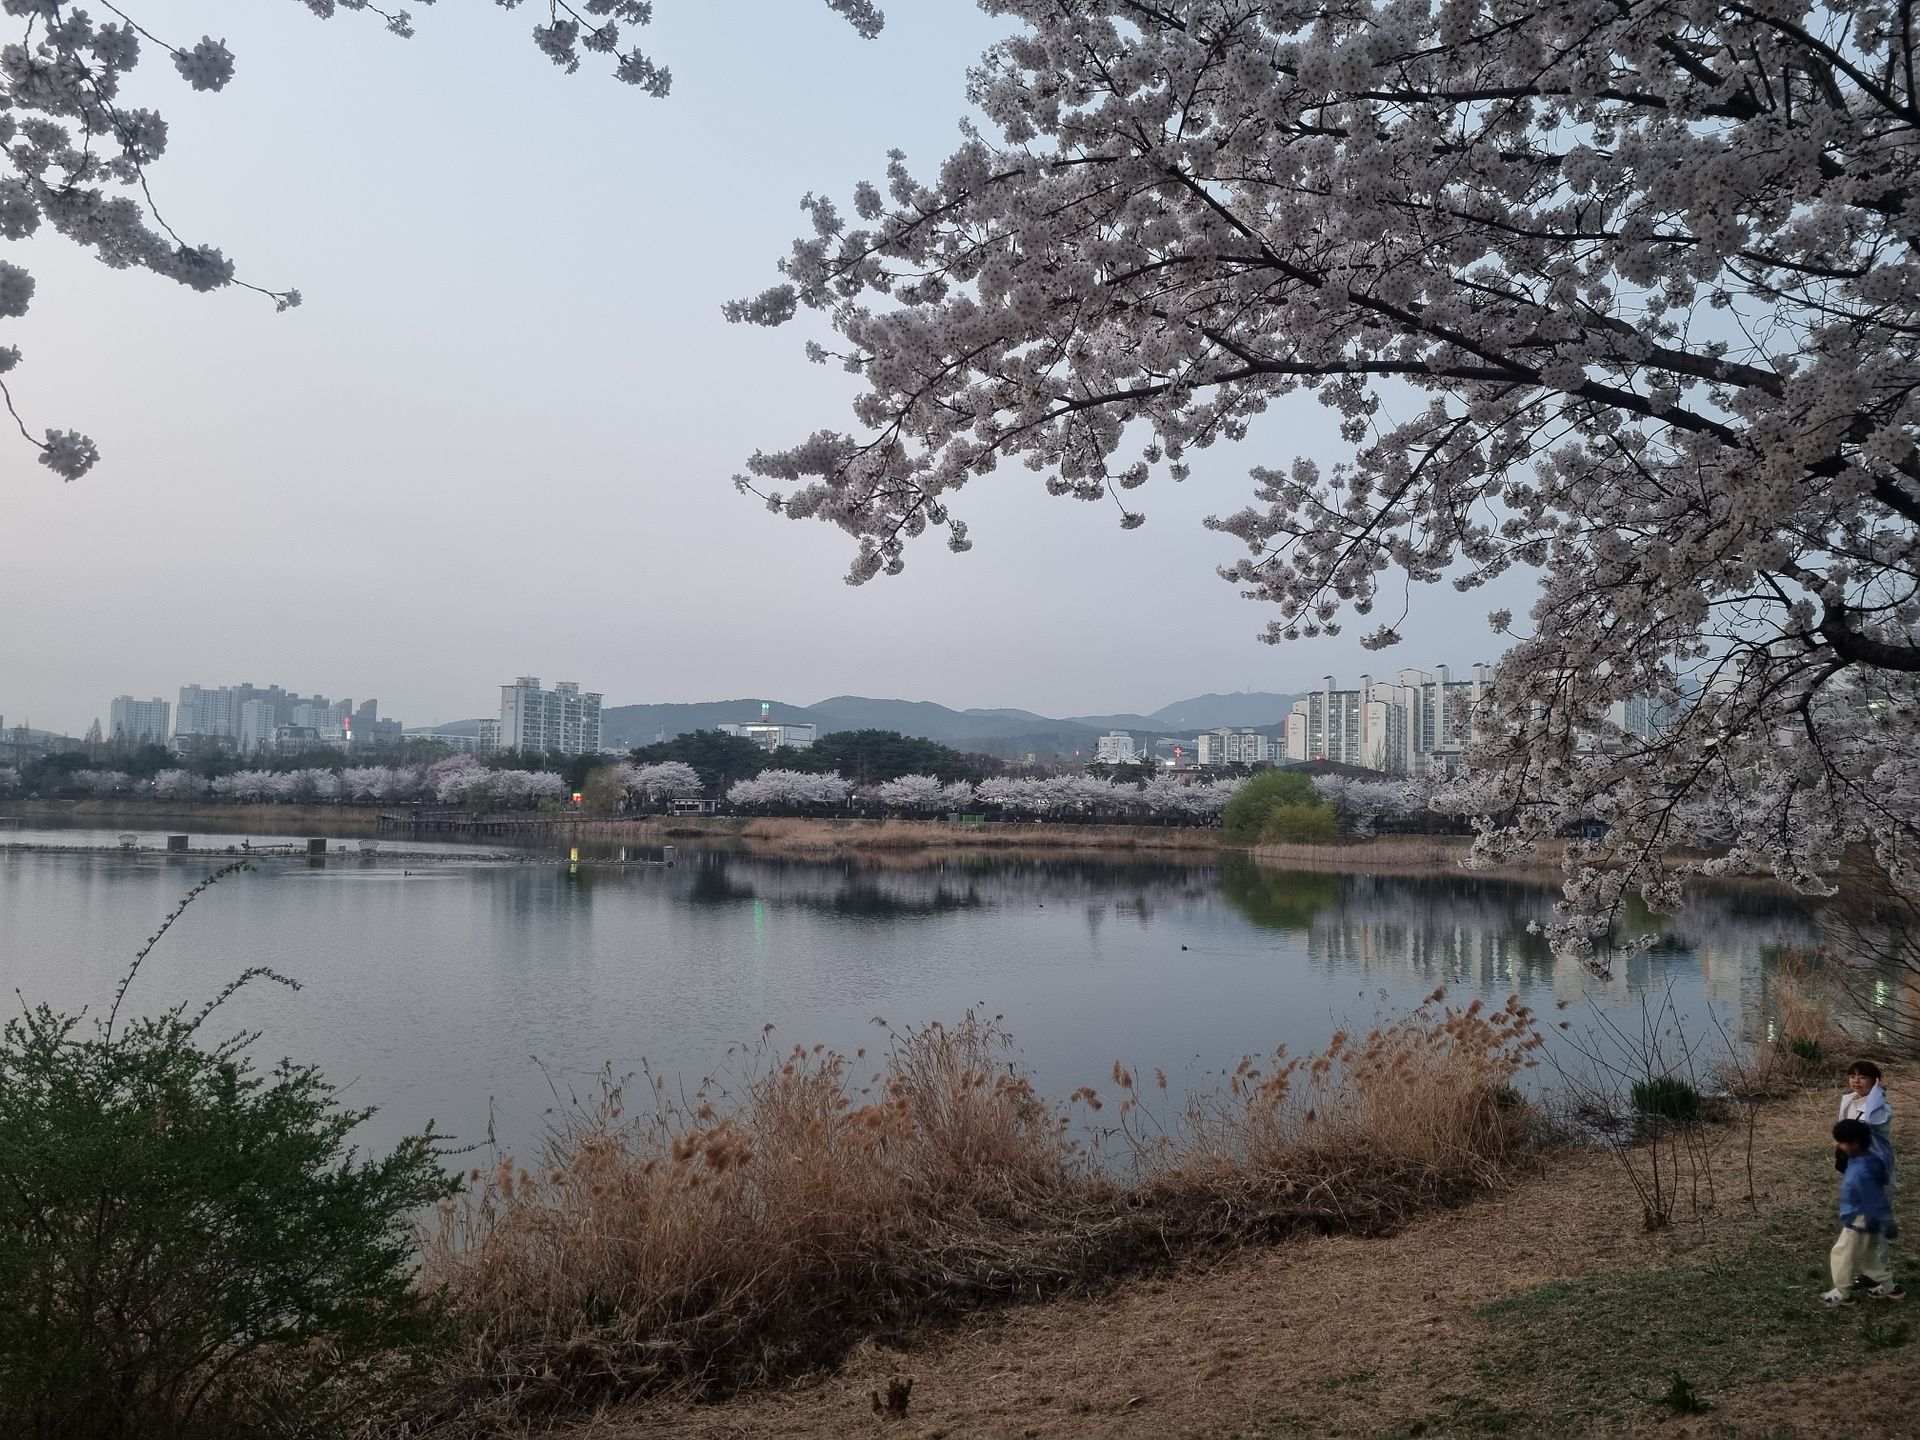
(1542, 1308)
(1403, 855)
(774, 835)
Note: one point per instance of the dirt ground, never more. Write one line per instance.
(1547, 1309)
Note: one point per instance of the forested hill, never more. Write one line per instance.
(994, 730)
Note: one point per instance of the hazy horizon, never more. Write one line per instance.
(499, 436)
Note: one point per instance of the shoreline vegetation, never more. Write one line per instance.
(1538, 1307)
(829, 837)
(767, 1225)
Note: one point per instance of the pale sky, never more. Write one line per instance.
(498, 438)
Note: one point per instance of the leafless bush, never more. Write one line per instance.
(1870, 946)
(1638, 1089)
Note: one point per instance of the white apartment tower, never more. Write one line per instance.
(139, 722)
(565, 718)
(1417, 723)
(1227, 746)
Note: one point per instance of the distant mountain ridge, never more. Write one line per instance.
(997, 731)
(1262, 709)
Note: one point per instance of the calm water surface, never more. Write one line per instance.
(463, 991)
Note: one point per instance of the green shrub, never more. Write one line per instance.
(188, 1246)
(1665, 1098)
(1301, 825)
(1246, 815)
(1807, 1050)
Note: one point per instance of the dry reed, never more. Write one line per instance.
(1403, 855)
(733, 1235)
(1807, 1038)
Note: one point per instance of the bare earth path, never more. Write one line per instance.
(1544, 1310)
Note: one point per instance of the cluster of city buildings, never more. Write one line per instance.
(1418, 723)
(1214, 748)
(253, 719)
(249, 719)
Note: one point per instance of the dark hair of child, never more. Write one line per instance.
(1866, 1068)
(1853, 1132)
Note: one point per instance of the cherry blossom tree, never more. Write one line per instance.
(382, 782)
(667, 780)
(1360, 805)
(1624, 294)
(789, 790)
(912, 795)
(77, 154)
(179, 785)
(252, 785)
(449, 780)
(364, 782)
(1164, 797)
(102, 782)
(9, 779)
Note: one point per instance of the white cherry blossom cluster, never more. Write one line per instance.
(76, 153)
(382, 782)
(9, 779)
(102, 782)
(1626, 294)
(923, 795)
(1161, 798)
(788, 791)
(667, 780)
(354, 784)
(280, 787)
(180, 785)
(1360, 805)
(463, 780)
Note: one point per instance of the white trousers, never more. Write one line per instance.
(1858, 1253)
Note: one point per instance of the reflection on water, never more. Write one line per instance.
(433, 993)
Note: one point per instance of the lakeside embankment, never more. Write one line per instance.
(1405, 855)
(264, 819)
(768, 834)
(821, 837)
(1544, 1308)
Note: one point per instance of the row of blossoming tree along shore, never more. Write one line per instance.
(1360, 805)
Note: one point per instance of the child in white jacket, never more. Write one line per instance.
(1865, 1100)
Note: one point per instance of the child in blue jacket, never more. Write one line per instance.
(1866, 1219)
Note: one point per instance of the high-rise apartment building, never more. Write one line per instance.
(258, 720)
(1227, 746)
(1115, 748)
(565, 718)
(250, 717)
(1643, 717)
(1417, 723)
(139, 722)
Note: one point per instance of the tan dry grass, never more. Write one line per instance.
(740, 1236)
(1330, 1335)
(1403, 855)
(802, 836)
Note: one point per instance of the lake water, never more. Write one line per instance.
(459, 990)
